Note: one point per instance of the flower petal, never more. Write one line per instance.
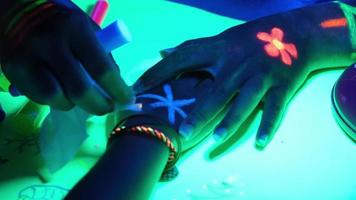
(277, 33)
(264, 36)
(271, 50)
(291, 49)
(286, 59)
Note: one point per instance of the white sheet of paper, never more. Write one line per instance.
(61, 136)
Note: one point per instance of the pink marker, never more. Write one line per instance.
(99, 11)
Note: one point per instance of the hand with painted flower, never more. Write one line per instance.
(265, 60)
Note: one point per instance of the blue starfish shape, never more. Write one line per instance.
(169, 102)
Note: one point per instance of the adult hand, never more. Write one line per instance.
(54, 58)
(249, 64)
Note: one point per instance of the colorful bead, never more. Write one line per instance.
(153, 132)
(20, 14)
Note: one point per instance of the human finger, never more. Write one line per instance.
(274, 107)
(77, 83)
(209, 104)
(32, 79)
(250, 95)
(100, 65)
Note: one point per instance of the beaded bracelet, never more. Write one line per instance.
(33, 18)
(13, 7)
(28, 17)
(151, 132)
(21, 13)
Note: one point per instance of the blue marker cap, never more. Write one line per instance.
(114, 36)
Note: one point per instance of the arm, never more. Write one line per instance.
(324, 34)
(267, 60)
(318, 37)
(338, 40)
(129, 169)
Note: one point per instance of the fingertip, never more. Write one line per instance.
(185, 130)
(116, 88)
(220, 134)
(166, 52)
(262, 141)
(94, 101)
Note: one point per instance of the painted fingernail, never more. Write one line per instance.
(166, 52)
(132, 107)
(220, 134)
(185, 130)
(262, 141)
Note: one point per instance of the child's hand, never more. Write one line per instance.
(56, 59)
(249, 65)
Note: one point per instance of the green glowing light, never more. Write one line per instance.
(350, 13)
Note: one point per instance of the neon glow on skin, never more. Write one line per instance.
(334, 23)
(275, 46)
(350, 13)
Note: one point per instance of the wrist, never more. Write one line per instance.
(327, 33)
(153, 128)
(22, 18)
(317, 47)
